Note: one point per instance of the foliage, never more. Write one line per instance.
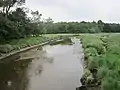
(13, 45)
(15, 23)
(5, 48)
(81, 27)
(107, 63)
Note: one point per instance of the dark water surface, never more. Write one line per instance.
(56, 67)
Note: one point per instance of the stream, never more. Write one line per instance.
(51, 67)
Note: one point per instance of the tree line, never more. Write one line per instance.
(82, 27)
(16, 23)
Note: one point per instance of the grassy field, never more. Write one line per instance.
(102, 53)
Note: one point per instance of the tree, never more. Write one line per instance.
(36, 16)
(49, 20)
(6, 5)
(37, 23)
(106, 28)
(100, 22)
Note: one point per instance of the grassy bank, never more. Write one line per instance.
(102, 57)
(14, 45)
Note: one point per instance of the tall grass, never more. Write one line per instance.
(18, 44)
(103, 53)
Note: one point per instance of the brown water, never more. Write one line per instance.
(56, 67)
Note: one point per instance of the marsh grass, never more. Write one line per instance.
(18, 44)
(103, 52)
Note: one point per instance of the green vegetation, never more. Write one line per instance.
(21, 22)
(14, 45)
(80, 27)
(102, 53)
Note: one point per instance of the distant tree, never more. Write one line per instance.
(100, 25)
(36, 16)
(49, 20)
(106, 28)
(100, 22)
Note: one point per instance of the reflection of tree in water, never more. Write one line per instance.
(49, 59)
(42, 55)
(39, 69)
(13, 75)
(66, 41)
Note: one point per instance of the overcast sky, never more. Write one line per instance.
(78, 10)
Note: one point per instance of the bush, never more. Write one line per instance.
(91, 52)
(5, 48)
(93, 62)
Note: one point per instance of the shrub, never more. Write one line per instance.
(5, 48)
(93, 62)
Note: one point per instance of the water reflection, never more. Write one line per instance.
(66, 41)
(63, 73)
(55, 67)
(13, 75)
(14, 71)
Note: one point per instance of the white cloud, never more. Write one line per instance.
(77, 10)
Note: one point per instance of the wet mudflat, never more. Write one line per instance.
(52, 67)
